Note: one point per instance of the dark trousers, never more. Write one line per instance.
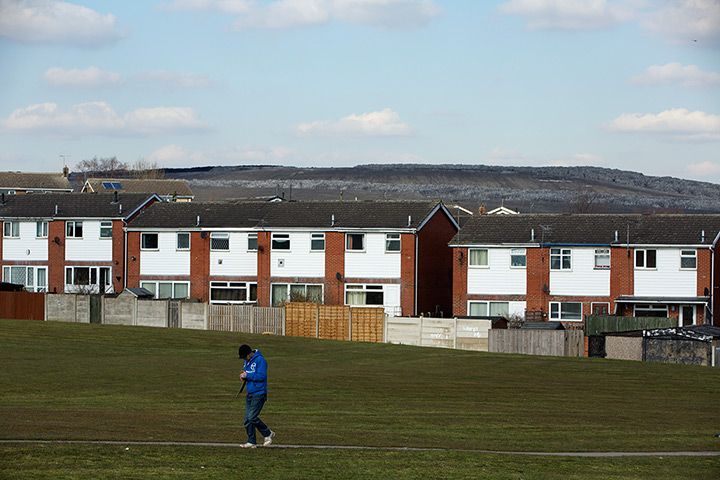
(253, 405)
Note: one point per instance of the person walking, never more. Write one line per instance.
(255, 375)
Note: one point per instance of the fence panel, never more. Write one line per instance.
(599, 324)
(22, 305)
(269, 320)
(245, 318)
(438, 332)
(301, 319)
(528, 342)
(333, 322)
(367, 324)
(472, 334)
(404, 330)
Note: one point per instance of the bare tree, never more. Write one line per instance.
(585, 200)
(105, 167)
(144, 169)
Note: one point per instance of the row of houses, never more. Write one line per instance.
(410, 257)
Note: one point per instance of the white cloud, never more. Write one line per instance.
(173, 79)
(91, 77)
(569, 14)
(54, 21)
(703, 170)
(676, 123)
(99, 118)
(676, 74)
(684, 21)
(383, 123)
(286, 14)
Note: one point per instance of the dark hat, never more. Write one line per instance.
(244, 351)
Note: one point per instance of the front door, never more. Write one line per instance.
(687, 315)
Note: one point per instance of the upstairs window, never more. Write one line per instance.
(645, 259)
(281, 241)
(105, 229)
(183, 241)
(518, 258)
(478, 257)
(392, 242)
(560, 259)
(148, 241)
(74, 229)
(688, 259)
(41, 229)
(602, 258)
(219, 241)
(355, 241)
(11, 229)
(317, 242)
(252, 242)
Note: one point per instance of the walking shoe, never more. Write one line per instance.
(248, 445)
(269, 439)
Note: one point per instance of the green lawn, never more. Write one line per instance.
(101, 382)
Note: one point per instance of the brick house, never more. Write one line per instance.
(21, 182)
(67, 242)
(562, 267)
(389, 253)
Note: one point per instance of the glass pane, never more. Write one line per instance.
(555, 310)
(518, 259)
(278, 295)
(317, 241)
(78, 229)
(42, 278)
(314, 293)
(478, 257)
(252, 241)
(183, 241)
(571, 311)
(478, 309)
(17, 275)
(650, 258)
(499, 309)
(281, 242)
(392, 242)
(164, 290)
(566, 262)
(220, 242)
(82, 276)
(30, 280)
(181, 290)
(149, 241)
(105, 229)
(228, 294)
(253, 292)
(355, 241)
(374, 298)
(355, 298)
(149, 286)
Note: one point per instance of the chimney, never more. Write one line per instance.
(481, 210)
(66, 172)
(115, 200)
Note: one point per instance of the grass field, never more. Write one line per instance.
(101, 382)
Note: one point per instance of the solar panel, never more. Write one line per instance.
(117, 185)
(107, 185)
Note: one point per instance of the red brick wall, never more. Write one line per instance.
(459, 285)
(334, 264)
(622, 276)
(200, 265)
(407, 277)
(538, 274)
(704, 271)
(118, 255)
(434, 266)
(263, 269)
(133, 266)
(56, 256)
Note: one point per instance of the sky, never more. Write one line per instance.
(626, 84)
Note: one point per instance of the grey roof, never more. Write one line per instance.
(34, 181)
(72, 205)
(661, 299)
(589, 229)
(140, 185)
(300, 214)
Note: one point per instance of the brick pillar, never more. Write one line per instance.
(704, 281)
(200, 265)
(133, 266)
(118, 255)
(407, 274)
(263, 269)
(460, 286)
(56, 256)
(334, 264)
(538, 274)
(622, 274)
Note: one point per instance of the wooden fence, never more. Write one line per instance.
(559, 343)
(246, 318)
(311, 320)
(22, 305)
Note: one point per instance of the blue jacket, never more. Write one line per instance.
(256, 370)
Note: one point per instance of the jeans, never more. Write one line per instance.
(253, 405)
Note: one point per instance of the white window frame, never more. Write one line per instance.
(278, 240)
(652, 307)
(315, 239)
(71, 229)
(248, 288)
(177, 241)
(11, 229)
(518, 252)
(144, 235)
(364, 289)
(219, 236)
(104, 226)
(561, 254)
(349, 244)
(488, 307)
(41, 229)
(393, 243)
(601, 253)
(556, 312)
(91, 287)
(474, 255)
(642, 254)
(688, 255)
(289, 287)
(33, 286)
(156, 290)
(252, 246)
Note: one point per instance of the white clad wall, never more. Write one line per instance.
(237, 261)
(89, 248)
(582, 279)
(373, 262)
(299, 261)
(667, 279)
(26, 246)
(167, 259)
(498, 278)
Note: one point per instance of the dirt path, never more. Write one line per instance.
(340, 447)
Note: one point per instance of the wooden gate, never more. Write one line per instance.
(95, 309)
(173, 314)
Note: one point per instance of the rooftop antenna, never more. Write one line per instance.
(261, 220)
(65, 169)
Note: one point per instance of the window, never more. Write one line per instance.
(11, 229)
(478, 257)
(364, 295)
(88, 280)
(518, 258)
(560, 259)
(600, 308)
(219, 241)
(355, 241)
(112, 185)
(392, 242)
(74, 229)
(148, 241)
(167, 289)
(233, 292)
(651, 310)
(183, 241)
(295, 292)
(602, 258)
(566, 311)
(317, 242)
(34, 278)
(688, 259)
(281, 241)
(492, 309)
(252, 242)
(645, 259)
(105, 229)
(41, 229)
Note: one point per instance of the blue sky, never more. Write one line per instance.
(628, 84)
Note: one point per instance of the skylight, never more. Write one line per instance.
(112, 185)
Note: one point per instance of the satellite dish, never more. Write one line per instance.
(338, 276)
(545, 288)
